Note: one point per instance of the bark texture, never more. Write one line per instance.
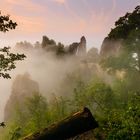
(74, 125)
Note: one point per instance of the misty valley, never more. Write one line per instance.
(43, 83)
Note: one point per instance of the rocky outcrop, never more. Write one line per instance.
(72, 48)
(22, 88)
(78, 48)
(110, 47)
(81, 50)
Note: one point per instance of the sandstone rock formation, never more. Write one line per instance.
(81, 50)
(22, 88)
(110, 47)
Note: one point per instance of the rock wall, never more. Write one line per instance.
(22, 88)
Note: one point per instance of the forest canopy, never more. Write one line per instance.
(75, 78)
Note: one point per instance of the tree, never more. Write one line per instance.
(7, 59)
(37, 111)
(126, 25)
(6, 23)
(122, 121)
(127, 30)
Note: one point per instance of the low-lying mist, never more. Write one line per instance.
(55, 68)
(42, 68)
(53, 74)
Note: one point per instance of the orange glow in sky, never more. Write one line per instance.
(63, 20)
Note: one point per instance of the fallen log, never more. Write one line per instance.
(74, 125)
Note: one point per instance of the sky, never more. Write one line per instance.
(63, 20)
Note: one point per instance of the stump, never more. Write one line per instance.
(74, 125)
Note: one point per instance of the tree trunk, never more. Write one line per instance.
(74, 125)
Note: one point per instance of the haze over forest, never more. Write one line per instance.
(66, 55)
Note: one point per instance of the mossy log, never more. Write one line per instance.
(74, 125)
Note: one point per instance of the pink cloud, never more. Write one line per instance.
(34, 19)
(60, 1)
(26, 23)
(96, 23)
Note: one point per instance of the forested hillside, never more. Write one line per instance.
(58, 80)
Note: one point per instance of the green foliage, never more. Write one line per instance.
(124, 123)
(37, 111)
(122, 120)
(15, 134)
(126, 24)
(127, 29)
(118, 118)
(36, 114)
(7, 59)
(113, 63)
(116, 107)
(98, 93)
(6, 23)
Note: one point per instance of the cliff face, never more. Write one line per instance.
(110, 47)
(76, 48)
(58, 49)
(22, 88)
(81, 50)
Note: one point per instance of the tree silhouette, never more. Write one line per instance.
(6, 23)
(126, 30)
(7, 59)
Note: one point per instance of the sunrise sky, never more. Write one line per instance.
(63, 20)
